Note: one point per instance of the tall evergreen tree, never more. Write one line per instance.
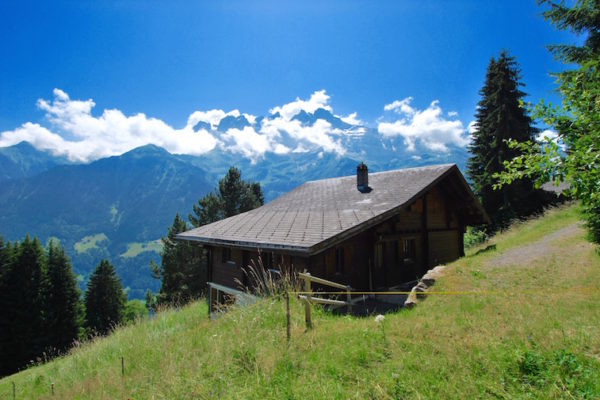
(104, 299)
(64, 310)
(183, 265)
(182, 268)
(22, 305)
(5, 257)
(499, 118)
(232, 196)
(6, 264)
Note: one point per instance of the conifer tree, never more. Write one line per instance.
(232, 196)
(64, 310)
(104, 299)
(6, 264)
(182, 269)
(183, 265)
(22, 305)
(5, 257)
(499, 118)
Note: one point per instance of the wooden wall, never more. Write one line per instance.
(229, 272)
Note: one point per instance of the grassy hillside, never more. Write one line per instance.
(531, 331)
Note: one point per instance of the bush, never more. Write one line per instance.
(475, 236)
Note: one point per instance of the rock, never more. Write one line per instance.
(433, 274)
(411, 301)
(420, 290)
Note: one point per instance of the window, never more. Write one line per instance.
(339, 260)
(225, 254)
(410, 251)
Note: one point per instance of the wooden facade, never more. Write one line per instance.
(402, 248)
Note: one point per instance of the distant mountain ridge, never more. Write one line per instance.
(23, 160)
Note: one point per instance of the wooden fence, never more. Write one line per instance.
(309, 298)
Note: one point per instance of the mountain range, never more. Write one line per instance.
(119, 207)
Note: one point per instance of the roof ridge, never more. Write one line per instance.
(383, 172)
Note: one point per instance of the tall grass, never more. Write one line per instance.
(271, 281)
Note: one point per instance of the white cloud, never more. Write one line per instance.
(428, 127)
(317, 135)
(351, 119)
(400, 106)
(80, 136)
(318, 99)
(472, 128)
(550, 136)
(452, 114)
(212, 117)
(251, 118)
(72, 130)
(547, 136)
(247, 142)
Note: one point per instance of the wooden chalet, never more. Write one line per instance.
(367, 231)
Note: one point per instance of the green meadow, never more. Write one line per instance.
(527, 328)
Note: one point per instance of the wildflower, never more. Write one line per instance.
(380, 318)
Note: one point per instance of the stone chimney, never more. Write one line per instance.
(362, 178)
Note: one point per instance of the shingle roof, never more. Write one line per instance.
(318, 212)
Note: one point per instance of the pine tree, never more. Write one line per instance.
(500, 117)
(182, 269)
(22, 305)
(5, 257)
(183, 265)
(104, 299)
(232, 196)
(64, 310)
(6, 264)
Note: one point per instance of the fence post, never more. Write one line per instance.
(307, 315)
(14, 391)
(52, 387)
(287, 315)
(122, 366)
(349, 300)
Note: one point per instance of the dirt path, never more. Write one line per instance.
(542, 249)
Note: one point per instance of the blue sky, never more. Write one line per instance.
(169, 59)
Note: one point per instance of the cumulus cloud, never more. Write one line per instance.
(400, 106)
(550, 136)
(318, 134)
(75, 132)
(81, 136)
(280, 133)
(212, 117)
(318, 99)
(472, 128)
(352, 119)
(428, 127)
(72, 129)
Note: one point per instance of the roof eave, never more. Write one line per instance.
(247, 245)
